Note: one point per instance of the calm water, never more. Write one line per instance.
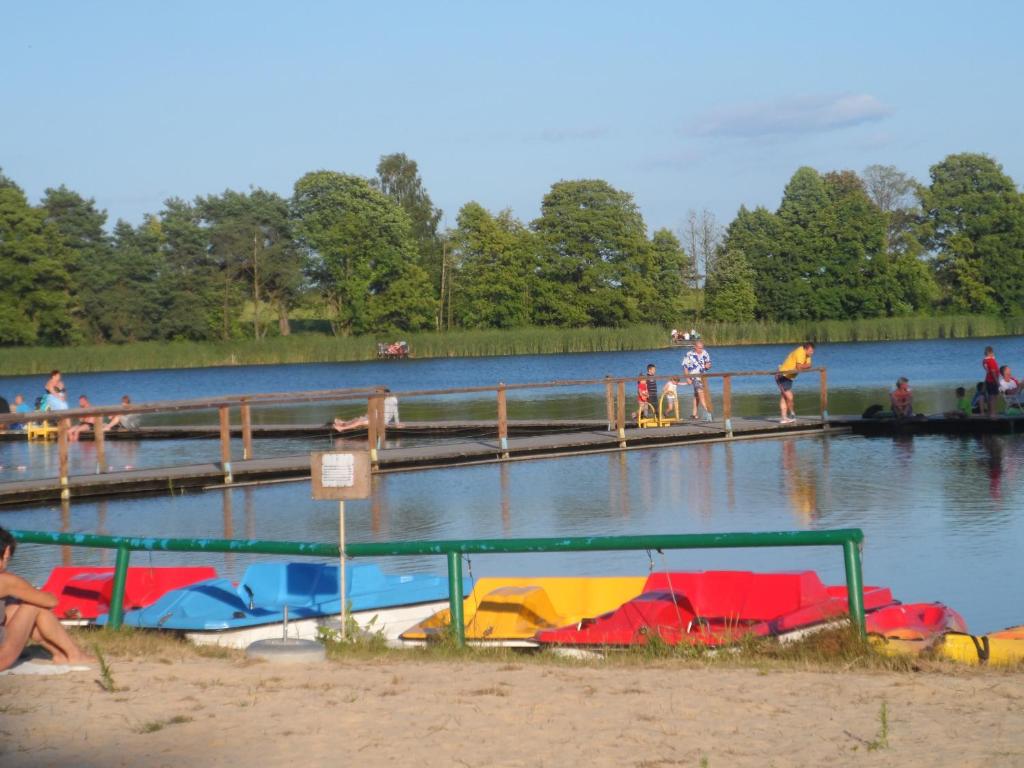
(858, 375)
(941, 515)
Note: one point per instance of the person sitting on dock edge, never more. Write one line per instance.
(901, 399)
(797, 360)
(127, 421)
(86, 423)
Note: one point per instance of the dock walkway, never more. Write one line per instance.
(592, 437)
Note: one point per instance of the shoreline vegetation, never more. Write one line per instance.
(324, 348)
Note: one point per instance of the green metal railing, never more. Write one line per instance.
(850, 539)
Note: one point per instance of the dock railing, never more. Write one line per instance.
(850, 539)
(618, 394)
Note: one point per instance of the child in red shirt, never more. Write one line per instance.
(991, 379)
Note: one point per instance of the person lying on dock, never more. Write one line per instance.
(390, 416)
(86, 423)
(25, 615)
(901, 399)
(123, 420)
(341, 425)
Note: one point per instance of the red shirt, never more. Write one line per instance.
(991, 370)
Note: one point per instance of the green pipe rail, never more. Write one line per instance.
(850, 539)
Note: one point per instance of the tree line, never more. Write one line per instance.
(369, 256)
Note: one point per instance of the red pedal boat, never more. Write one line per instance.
(912, 628)
(716, 607)
(84, 592)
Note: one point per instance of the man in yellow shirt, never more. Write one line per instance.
(797, 360)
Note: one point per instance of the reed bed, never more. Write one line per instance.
(321, 348)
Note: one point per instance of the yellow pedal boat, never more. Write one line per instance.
(510, 611)
(1002, 648)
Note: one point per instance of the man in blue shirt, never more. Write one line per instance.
(695, 362)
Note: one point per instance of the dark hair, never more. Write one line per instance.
(1002, 369)
(960, 391)
(989, 350)
(7, 542)
(651, 365)
(902, 380)
(54, 372)
(807, 344)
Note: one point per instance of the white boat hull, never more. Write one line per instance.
(388, 622)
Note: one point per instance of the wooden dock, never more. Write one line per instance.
(588, 437)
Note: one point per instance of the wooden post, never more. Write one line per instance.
(99, 437)
(62, 453)
(371, 428)
(225, 443)
(727, 403)
(609, 401)
(502, 421)
(246, 430)
(824, 395)
(620, 415)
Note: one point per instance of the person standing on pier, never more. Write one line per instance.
(991, 367)
(695, 362)
(797, 360)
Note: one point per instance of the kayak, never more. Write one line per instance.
(912, 628)
(510, 611)
(219, 612)
(716, 607)
(84, 592)
(1002, 648)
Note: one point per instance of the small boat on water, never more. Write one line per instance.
(714, 608)
(219, 612)
(510, 611)
(84, 592)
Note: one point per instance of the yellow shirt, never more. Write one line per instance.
(795, 358)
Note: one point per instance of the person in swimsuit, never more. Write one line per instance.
(26, 615)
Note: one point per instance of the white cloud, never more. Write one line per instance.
(793, 116)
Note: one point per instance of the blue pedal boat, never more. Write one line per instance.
(217, 611)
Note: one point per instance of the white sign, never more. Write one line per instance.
(339, 470)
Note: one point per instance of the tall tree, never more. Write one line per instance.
(730, 288)
(362, 256)
(35, 302)
(669, 280)
(757, 236)
(81, 225)
(974, 224)
(191, 284)
(496, 261)
(592, 244)
(398, 177)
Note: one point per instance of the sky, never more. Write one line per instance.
(685, 105)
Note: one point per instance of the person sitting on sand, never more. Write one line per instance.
(123, 420)
(901, 399)
(25, 615)
(86, 423)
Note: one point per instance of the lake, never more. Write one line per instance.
(941, 515)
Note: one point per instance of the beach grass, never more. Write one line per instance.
(324, 348)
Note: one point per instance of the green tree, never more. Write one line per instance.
(35, 301)
(190, 284)
(671, 272)
(756, 235)
(593, 245)
(974, 224)
(361, 254)
(398, 177)
(131, 304)
(729, 288)
(495, 259)
(81, 226)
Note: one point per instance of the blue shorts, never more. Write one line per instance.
(784, 382)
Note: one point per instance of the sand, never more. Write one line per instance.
(420, 712)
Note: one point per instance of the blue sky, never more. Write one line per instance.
(685, 105)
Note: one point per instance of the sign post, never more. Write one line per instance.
(341, 476)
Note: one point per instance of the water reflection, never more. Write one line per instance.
(939, 514)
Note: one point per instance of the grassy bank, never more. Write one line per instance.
(317, 348)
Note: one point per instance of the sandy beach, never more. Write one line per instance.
(429, 712)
